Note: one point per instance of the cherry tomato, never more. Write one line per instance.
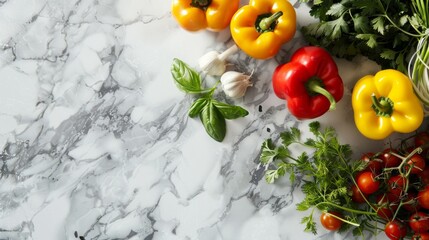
(389, 159)
(357, 196)
(419, 222)
(396, 187)
(367, 183)
(423, 197)
(424, 176)
(395, 230)
(374, 164)
(421, 236)
(330, 222)
(421, 139)
(411, 203)
(417, 162)
(384, 208)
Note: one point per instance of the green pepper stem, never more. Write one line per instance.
(382, 106)
(314, 85)
(265, 23)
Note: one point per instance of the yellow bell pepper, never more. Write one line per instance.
(262, 27)
(385, 103)
(195, 15)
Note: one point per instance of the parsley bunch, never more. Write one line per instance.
(212, 112)
(327, 171)
(385, 31)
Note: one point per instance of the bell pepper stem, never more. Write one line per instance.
(231, 50)
(202, 4)
(382, 106)
(265, 23)
(314, 85)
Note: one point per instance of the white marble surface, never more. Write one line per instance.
(95, 141)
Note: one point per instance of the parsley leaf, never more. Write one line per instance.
(291, 136)
(324, 164)
(374, 29)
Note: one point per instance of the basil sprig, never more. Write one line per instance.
(212, 113)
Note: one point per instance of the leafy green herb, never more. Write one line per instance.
(212, 113)
(393, 33)
(230, 111)
(213, 122)
(373, 28)
(197, 107)
(325, 166)
(185, 78)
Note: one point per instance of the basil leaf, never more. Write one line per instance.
(197, 106)
(213, 122)
(230, 111)
(186, 79)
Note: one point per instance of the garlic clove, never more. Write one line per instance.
(235, 84)
(211, 64)
(214, 63)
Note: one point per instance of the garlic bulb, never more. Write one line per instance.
(235, 84)
(214, 63)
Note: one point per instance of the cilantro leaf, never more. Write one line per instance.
(371, 39)
(271, 175)
(310, 225)
(378, 24)
(269, 152)
(314, 127)
(337, 9)
(347, 28)
(291, 136)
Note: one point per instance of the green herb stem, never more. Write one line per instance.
(401, 29)
(351, 210)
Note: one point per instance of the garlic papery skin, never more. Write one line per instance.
(214, 63)
(211, 64)
(235, 84)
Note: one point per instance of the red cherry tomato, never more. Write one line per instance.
(384, 208)
(421, 236)
(423, 197)
(396, 187)
(330, 222)
(395, 230)
(357, 196)
(411, 203)
(367, 183)
(417, 164)
(419, 222)
(421, 139)
(389, 159)
(424, 176)
(374, 164)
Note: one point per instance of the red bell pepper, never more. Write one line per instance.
(309, 82)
